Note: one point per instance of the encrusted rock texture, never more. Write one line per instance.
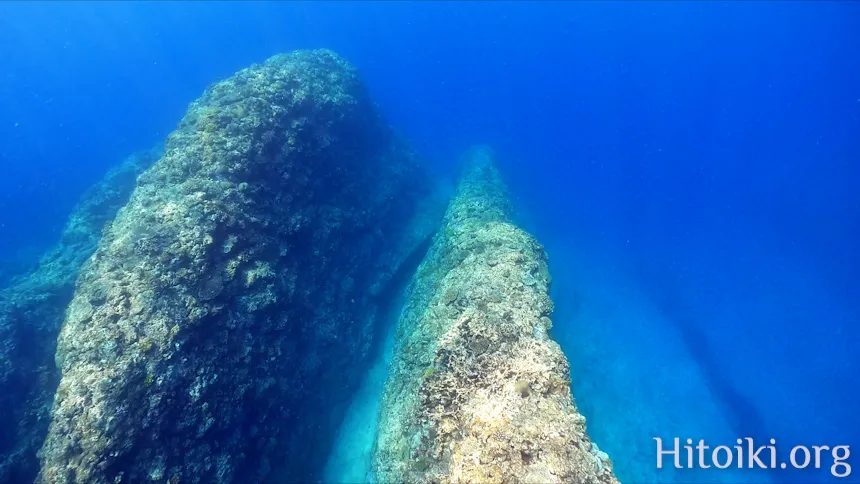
(31, 313)
(216, 332)
(477, 391)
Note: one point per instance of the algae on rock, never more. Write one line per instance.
(477, 391)
(31, 312)
(215, 334)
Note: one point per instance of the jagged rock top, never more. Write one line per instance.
(477, 390)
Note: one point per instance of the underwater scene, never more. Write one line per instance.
(429, 242)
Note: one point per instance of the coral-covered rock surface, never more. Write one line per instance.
(477, 390)
(217, 332)
(31, 313)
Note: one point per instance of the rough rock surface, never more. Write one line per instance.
(31, 312)
(477, 391)
(216, 331)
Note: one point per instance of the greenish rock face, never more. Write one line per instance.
(217, 332)
(31, 313)
(477, 391)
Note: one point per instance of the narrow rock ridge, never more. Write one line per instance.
(31, 313)
(216, 334)
(477, 391)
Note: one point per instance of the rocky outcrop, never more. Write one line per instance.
(31, 312)
(477, 391)
(216, 331)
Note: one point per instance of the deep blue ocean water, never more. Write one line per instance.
(692, 169)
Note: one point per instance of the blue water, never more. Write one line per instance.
(692, 169)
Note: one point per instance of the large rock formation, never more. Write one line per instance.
(216, 331)
(477, 391)
(31, 312)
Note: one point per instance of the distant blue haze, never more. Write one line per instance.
(705, 154)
